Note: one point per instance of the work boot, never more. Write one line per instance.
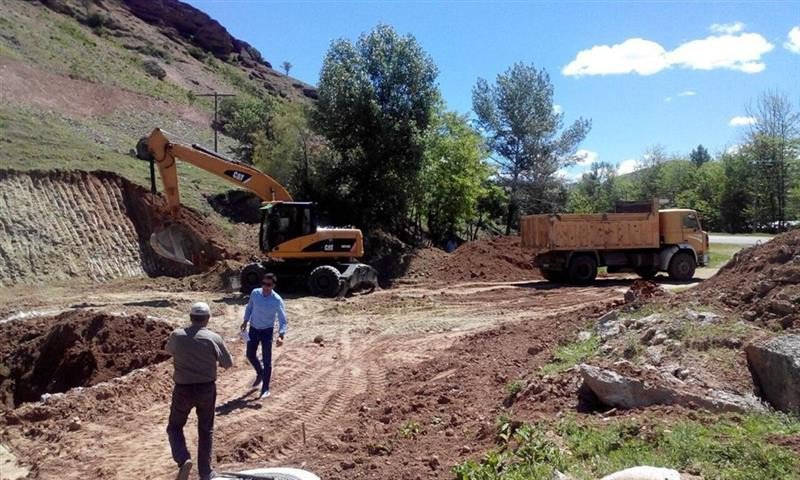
(184, 470)
(258, 381)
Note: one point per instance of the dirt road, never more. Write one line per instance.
(116, 429)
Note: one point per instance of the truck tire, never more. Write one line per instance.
(552, 275)
(647, 273)
(682, 266)
(324, 281)
(250, 278)
(582, 269)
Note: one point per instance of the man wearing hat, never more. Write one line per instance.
(195, 351)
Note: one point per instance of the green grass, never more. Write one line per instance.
(571, 354)
(32, 139)
(720, 253)
(731, 447)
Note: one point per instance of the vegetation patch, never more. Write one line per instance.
(571, 354)
(717, 448)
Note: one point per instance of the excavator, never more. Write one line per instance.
(297, 248)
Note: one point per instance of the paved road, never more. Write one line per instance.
(738, 239)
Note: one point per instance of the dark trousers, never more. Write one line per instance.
(263, 337)
(201, 396)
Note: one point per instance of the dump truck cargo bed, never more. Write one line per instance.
(608, 231)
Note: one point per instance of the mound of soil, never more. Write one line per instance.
(761, 282)
(95, 226)
(74, 349)
(497, 259)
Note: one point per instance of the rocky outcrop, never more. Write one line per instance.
(193, 26)
(775, 365)
(620, 391)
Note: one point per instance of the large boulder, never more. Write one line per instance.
(616, 390)
(775, 365)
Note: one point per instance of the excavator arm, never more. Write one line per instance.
(169, 240)
(166, 152)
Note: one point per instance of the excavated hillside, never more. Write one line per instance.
(91, 226)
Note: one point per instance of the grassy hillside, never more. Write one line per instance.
(76, 97)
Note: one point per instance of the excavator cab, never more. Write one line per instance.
(285, 221)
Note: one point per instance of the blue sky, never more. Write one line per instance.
(677, 74)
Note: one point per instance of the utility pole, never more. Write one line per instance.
(216, 96)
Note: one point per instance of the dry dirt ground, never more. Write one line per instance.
(115, 429)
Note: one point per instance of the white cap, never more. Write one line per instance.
(200, 308)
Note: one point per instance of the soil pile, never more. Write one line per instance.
(93, 225)
(497, 259)
(761, 282)
(74, 349)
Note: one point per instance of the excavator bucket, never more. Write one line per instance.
(169, 243)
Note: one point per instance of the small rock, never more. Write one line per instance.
(533, 350)
(318, 339)
(443, 399)
(659, 338)
(781, 307)
(347, 465)
(433, 462)
(681, 373)
(74, 425)
(750, 315)
(584, 335)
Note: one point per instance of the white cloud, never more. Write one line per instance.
(633, 55)
(668, 99)
(557, 108)
(793, 42)
(742, 52)
(733, 149)
(740, 121)
(627, 166)
(734, 52)
(585, 157)
(687, 93)
(728, 28)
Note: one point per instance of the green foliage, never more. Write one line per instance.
(410, 429)
(517, 116)
(248, 120)
(596, 191)
(514, 387)
(736, 196)
(571, 354)
(375, 103)
(197, 53)
(452, 175)
(720, 253)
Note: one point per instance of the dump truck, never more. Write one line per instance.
(638, 237)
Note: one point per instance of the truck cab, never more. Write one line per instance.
(681, 227)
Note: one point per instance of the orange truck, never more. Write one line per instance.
(638, 238)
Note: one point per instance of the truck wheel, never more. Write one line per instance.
(648, 273)
(551, 275)
(682, 266)
(582, 269)
(324, 281)
(250, 277)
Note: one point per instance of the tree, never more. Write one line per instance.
(247, 120)
(452, 175)
(646, 180)
(596, 191)
(286, 66)
(699, 156)
(735, 201)
(375, 104)
(676, 181)
(773, 147)
(516, 115)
